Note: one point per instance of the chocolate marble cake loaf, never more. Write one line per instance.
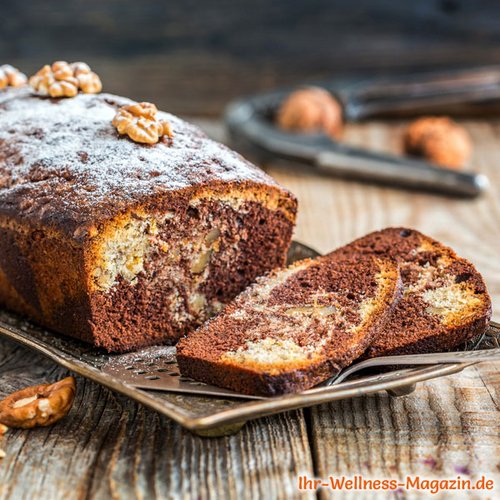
(122, 244)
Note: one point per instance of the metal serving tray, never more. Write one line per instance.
(151, 377)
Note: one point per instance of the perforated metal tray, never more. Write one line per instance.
(151, 377)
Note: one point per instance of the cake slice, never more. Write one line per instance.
(295, 327)
(444, 302)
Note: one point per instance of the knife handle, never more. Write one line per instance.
(427, 93)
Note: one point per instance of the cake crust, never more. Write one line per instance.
(64, 166)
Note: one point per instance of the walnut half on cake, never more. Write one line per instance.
(121, 244)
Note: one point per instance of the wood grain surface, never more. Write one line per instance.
(109, 447)
(447, 427)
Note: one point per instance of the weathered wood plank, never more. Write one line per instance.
(447, 427)
(110, 447)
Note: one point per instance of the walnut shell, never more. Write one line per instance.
(439, 140)
(311, 110)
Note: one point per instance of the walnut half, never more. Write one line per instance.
(140, 123)
(439, 140)
(65, 80)
(11, 77)
(311, 110)
(39, 405)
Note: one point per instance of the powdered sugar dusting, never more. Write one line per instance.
(62, 161)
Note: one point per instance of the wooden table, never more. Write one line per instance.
(110, 447)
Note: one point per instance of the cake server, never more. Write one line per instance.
(251, 126)
(156, 368)
(437, 358)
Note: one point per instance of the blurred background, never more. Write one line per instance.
(192, 57)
